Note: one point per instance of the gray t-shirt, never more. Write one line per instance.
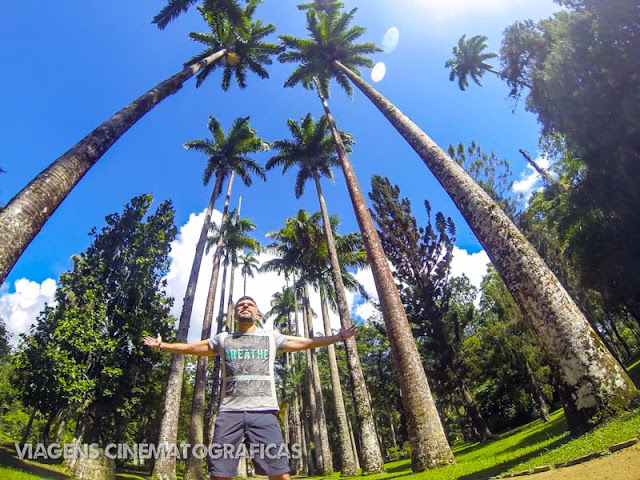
(248, 369)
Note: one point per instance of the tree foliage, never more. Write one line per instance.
(87, 352)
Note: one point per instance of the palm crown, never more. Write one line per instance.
(235, 236)
(228, 153)
(470, 60)
(175, 8)
(249, 264)
(331, 40)
(245, 50)
(321, 5)
(312, 149)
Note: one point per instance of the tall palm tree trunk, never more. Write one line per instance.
(354, 446)
(429, 447)
(165, 464)
(372, 461)
(595, 383)
(346, 452)
(230, 300)
(310, 465)
(29, 210)
(327, 458)
(194, 470)
(313, 405)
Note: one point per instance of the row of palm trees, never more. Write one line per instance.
(592, 380)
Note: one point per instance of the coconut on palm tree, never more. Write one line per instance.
(595, 384)
(23, 217)
(312, 151)
(331, 37)
(228, 155)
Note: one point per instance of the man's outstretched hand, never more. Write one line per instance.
(153, 342)
(348, 332)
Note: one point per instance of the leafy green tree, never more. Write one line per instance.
(577, 65)
(511, 378)
(87, 351)
(5, 348)
(439, 309)
(326, 55)
(492, 173)
(28, 211)
(312, 151)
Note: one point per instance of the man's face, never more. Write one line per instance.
(246, 311)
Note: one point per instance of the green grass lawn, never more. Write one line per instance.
(522, 448)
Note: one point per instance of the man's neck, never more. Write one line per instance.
(246, 327)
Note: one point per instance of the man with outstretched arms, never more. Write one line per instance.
(249, 405)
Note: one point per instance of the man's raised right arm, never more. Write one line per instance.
(200, 348)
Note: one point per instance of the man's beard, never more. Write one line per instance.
(245, 317)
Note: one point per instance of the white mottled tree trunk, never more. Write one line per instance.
(596, 384)
(346, 453)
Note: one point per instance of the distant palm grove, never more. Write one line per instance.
(440, 361)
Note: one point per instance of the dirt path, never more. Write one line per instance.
(622, 465)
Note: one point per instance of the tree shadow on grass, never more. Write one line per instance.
(504, 466)
(9, 458)
(402, 466)
(554, 428)
(501, 467)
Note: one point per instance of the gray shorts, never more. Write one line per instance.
(258, 434)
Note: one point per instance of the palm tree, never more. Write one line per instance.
(596, 384)
(248, 266)
(328, 34)
(291, 246)
(23, 217)
(174, 8)
(321, 5)
(469, 60)
(236, 239)
(227, 157)
(313, 151)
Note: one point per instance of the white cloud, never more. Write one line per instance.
(390, 39)
(181, 258)
(529, 178)
(378, 72)
(473, 265)
(20, 308)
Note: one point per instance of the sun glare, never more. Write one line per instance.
(390, 39)
(378, 72)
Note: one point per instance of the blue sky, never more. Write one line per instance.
(70, 65)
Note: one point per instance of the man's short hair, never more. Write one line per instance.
(246, 297)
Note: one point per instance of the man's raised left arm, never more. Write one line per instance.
(295, 344)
